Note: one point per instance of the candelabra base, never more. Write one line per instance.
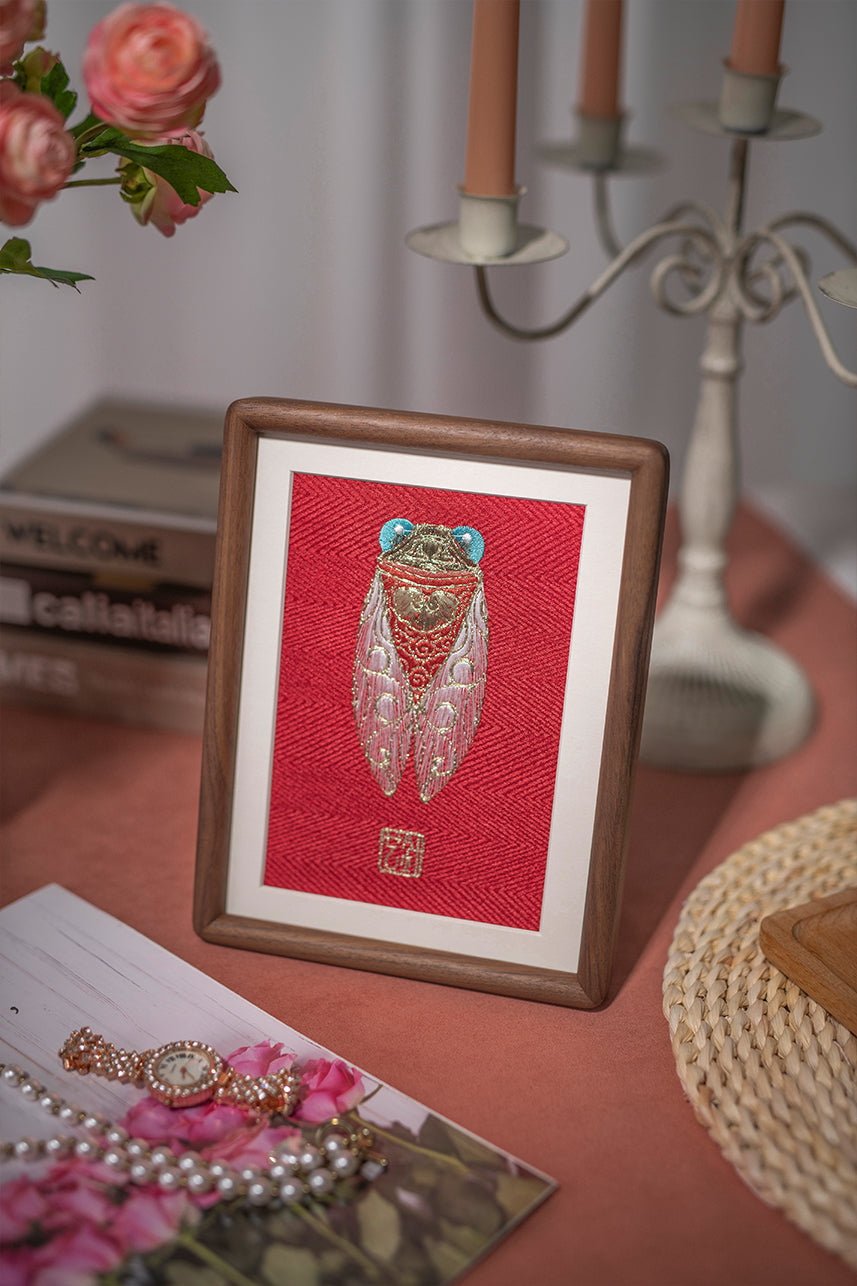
(720, 698)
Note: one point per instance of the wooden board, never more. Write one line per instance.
(816, 946)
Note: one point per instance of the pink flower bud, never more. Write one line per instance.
(149, 68)
(153, 199)
(35, 64)
(36, 153)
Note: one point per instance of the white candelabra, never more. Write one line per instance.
(719, 696)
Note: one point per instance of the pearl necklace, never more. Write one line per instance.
(298, 1170)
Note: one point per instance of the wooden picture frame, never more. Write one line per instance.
(308, 820)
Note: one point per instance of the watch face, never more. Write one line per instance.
(183, 1073)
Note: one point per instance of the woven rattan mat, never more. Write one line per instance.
(769, 1074)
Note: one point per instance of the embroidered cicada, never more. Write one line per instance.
(422, 654)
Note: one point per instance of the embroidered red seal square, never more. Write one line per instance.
(422, 682)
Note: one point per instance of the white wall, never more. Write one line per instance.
(341, 122)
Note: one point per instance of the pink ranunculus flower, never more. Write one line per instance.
(149, 68)
(151, 198)
(329, 1088)
(20, 21)
(36, 153)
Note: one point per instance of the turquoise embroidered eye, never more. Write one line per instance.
(394, 532)
(471, 541)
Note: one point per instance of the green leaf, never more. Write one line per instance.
(380, 1226)
(465, 1201)
(15, 257)
(293, 1264)
(186, 171)
(55, 87)
(517, 1192)
(476, 1152)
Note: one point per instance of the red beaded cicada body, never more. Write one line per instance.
(422, 654)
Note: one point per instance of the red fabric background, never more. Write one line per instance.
(486, 832)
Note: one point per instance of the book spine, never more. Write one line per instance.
(127, 685)
(72, 539)
(157, 617)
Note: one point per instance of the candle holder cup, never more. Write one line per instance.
(599, 141)
(488, 225)
(747, 99)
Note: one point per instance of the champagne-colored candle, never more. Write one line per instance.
(489, 168)
(756, 37)
(602, 52)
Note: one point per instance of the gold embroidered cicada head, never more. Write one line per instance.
(429, 547)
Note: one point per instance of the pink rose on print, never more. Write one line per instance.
(74, 1257)
(250, 1146)
(261, 1060)
(180, 1128)
(149, 1217)
(77, 1194)
(149, 68)
(17, 1265)
(36, 153)
(22, 1205)
(20, 21)
(329, 1089)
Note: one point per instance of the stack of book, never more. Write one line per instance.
(106, 562)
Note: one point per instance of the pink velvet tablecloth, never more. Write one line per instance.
(592, 1099)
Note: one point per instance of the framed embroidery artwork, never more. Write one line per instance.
(429, 649)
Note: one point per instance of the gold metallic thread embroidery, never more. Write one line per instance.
(422, 654)
(401, 852)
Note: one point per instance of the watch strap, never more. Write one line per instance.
(85, 1051)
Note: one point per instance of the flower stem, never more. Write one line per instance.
(88, 135)
(370, 1268)
(92, 183)
(190, 1243)
(448, 1158)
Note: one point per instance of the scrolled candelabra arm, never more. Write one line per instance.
(761, 289)
(606, 228)
(795, 262)
(806, 219)
(700, 237)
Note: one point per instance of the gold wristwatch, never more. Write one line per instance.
(181, 1074)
